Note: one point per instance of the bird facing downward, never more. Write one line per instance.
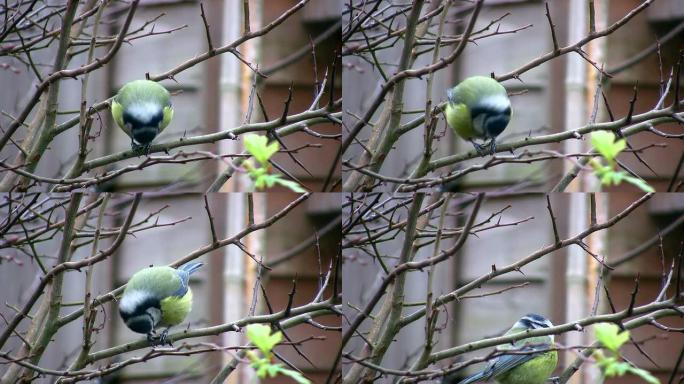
(534, 367)
(478, 108)
(142, 109)
(157, 297)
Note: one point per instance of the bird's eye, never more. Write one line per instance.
(507, 111)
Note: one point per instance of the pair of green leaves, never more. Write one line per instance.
(261, 151)
(606, 144)
(611, 338)
(260, 335)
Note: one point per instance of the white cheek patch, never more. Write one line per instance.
(498, 103)
(144, 112)
(131, 300)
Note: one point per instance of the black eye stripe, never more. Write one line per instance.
(153, 122)
(479, 110)
(156, 120)
(534, 321)
(141, 307)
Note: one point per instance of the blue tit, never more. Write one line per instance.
(478, 108)
(157, 297)
(142, 109)
(524, 368)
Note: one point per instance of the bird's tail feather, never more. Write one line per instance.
(191, 267)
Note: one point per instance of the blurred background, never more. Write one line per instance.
(561, 285)
(300, 247)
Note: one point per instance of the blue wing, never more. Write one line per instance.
(184, 273)
(505, 363)
(475, 378)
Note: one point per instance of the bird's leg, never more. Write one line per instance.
(480, 148)
(492, 146)
(555, 379)
(160, 339)
(163, 338)
(139, 149)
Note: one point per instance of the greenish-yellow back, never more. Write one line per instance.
(535, 371)
(143, 90)
(162, 281)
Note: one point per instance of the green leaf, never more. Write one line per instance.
(256, 173)
(604, 169)
(605, 179)
(273, 370)
(596, 164)
(296, 376)
(617, 177)
(639, 183)
(292, 185)
(259, 148)
(270, 180)
(264, 181)
(644, 374)
(261, 336)
(610, 336)
(610, 177)
(262, 372)
(260, 182)
(617, 369)
(599, 356)
(247, 164)
(604, 142)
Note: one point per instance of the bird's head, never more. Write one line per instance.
(534, 321)
(531, 321)
(144, 120)
(140, 310)
(491, 114)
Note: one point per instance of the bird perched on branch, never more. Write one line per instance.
(157, 297)
(478, 108)
(532, 363)
(142, 109)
